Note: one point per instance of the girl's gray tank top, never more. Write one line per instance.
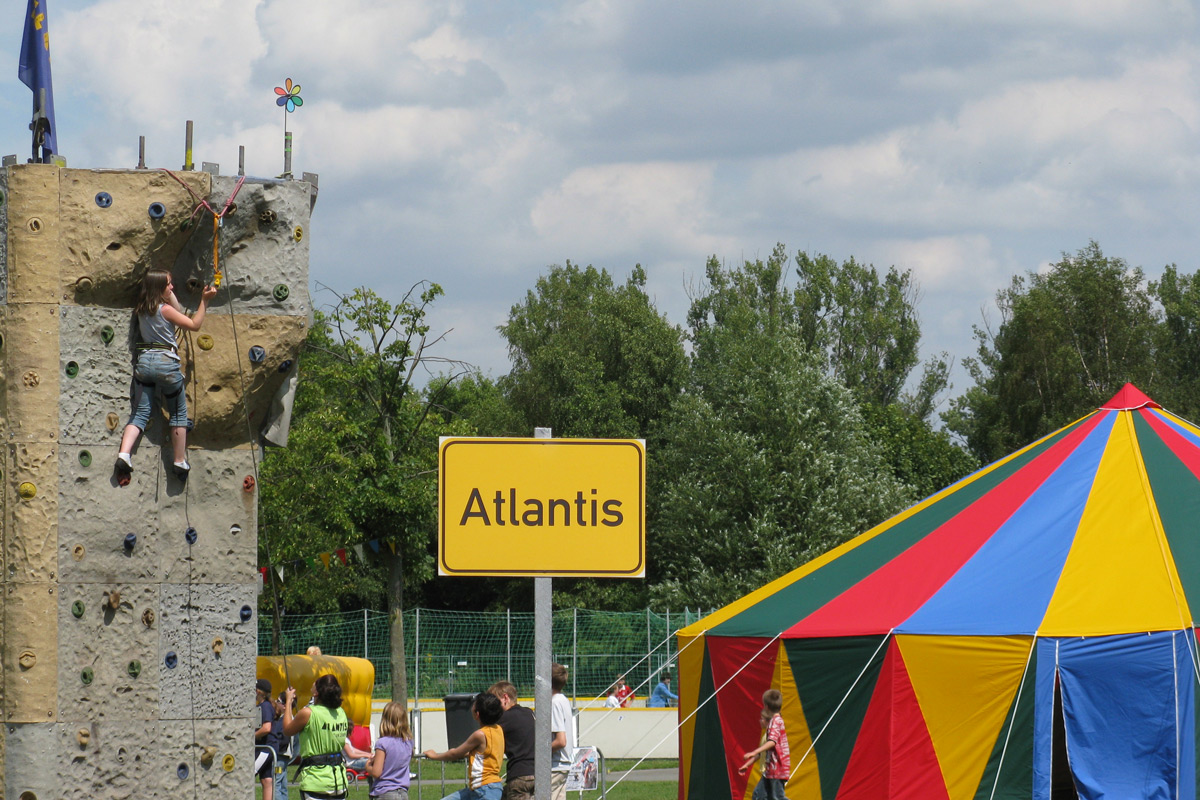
(157, 330)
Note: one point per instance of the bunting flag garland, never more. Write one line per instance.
(326, 558)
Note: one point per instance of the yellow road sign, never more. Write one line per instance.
(542, 507)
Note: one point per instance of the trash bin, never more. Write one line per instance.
(460, 722)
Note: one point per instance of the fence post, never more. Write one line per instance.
(574, 653)
(417, 661)
(366, 650)
(669, 638)
(649, 650)
(508, 644)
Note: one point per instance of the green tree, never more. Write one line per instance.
(1177, 344)
(763, 464)
(1069, 338)
(862, 325)
(591, 358)
(361, 458)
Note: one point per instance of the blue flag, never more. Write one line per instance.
(34, 72)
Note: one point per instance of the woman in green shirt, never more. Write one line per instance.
(323, 727)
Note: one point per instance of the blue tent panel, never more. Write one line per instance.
(1128, 706)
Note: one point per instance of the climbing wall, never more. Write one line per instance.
(128, 625)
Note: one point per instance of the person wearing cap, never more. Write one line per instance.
(267, 739)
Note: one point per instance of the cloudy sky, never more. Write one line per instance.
(476, 143)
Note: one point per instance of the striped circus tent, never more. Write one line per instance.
(1025, 633)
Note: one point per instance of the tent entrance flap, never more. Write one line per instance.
(1128, 717)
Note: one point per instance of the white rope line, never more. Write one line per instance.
(699, 706)
(866, 666)
(608, 711)
(1013, 720)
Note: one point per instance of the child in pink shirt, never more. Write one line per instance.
(777, 763)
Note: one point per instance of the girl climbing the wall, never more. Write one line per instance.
(158, 368)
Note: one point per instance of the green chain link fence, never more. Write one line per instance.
(465, 651)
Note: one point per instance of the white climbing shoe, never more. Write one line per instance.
(182, 468)
(124, 463)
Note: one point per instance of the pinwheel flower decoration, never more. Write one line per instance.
(289, 96)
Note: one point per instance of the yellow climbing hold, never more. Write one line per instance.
(27, 490)
(227, 763)
(298, 234)
(205, 342)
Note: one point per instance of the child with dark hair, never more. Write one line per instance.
(483, 750)
(777, 763)
(323, 745)
(158, 368)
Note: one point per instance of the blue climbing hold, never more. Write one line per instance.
(182, 772)
(103, 199)
(171, 660)
(190, 535)
(246, 613)
(191, 424)
(257, 354)
(130, 540)
(286, 365)
(157, 211)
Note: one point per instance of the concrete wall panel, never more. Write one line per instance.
(34, 760)
(216, 377)
(31, 372)
(31, 513)
(33, 233)
(261, 249)
(111, 644)
(95, 516)
(102, 373)
(104, 249)
(223, 515)
(215, 651)
(30, 652)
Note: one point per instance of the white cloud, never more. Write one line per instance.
(153, 60)
(631, 207)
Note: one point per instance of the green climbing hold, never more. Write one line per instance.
(281, 292)
(72, 369)
(77, 608)
(107, 334)
(85, 458)
(134, 669)
(87, 676)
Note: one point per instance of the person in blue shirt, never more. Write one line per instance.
(662, 696)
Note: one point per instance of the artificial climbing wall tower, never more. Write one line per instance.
(128, 624)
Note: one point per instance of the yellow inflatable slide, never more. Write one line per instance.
(356, 675)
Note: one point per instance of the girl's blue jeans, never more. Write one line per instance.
(157, 373)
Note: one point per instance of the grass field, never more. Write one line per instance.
(432, 788)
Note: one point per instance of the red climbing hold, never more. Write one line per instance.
(248, 483)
